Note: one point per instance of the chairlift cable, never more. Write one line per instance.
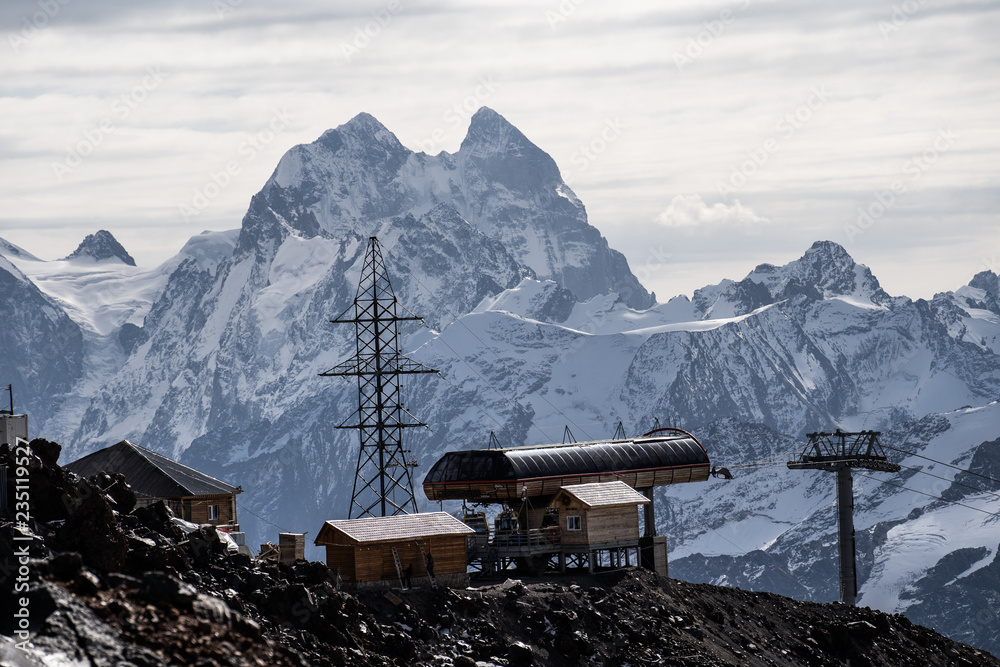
(908, 453)
(930, 495)
(951, 481)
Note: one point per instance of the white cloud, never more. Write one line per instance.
(692, 211)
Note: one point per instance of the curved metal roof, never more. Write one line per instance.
(651, 452)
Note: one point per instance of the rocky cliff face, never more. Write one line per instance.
(41, 348)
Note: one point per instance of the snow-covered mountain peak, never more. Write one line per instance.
(987, 281)
(358, 177)
(364, 129)
(491, 134)
(499, 152)
(99, 247)
(5, 265)
(973, 310)
(825, 271)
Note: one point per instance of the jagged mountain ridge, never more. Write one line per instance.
(217, 363)
(357, 176)
(99, 247)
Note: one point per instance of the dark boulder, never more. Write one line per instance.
(47, 451)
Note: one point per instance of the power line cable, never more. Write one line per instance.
(388, 252)
(930, 495)
(987, 477)
(952, 481)
(506, 368)
(484, 379)
(769, 464)
(247, 509)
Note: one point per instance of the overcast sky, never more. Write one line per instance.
(703, 137)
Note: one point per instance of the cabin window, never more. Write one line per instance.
(213, 512)
(573, 522)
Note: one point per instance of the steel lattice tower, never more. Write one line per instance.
(384, 484)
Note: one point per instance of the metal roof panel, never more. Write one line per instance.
(399, 527)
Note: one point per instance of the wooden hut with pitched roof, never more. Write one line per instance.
(190, 494)
(372, 551)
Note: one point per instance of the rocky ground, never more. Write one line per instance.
(114, 585)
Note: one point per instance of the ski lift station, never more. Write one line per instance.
(574, 504)
(569, 505)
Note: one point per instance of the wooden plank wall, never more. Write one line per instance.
(372, 562)
(600, 524)
(450, 556)
(341, 558)
(611, 524)
(199, 509)
(574, 508)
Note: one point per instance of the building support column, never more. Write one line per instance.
(845, 510)
(649, 514)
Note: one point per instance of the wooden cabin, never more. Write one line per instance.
(190, 494)
(361, 550)
(598, 513)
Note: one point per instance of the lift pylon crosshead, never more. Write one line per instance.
(839, 452)
(383, 485)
